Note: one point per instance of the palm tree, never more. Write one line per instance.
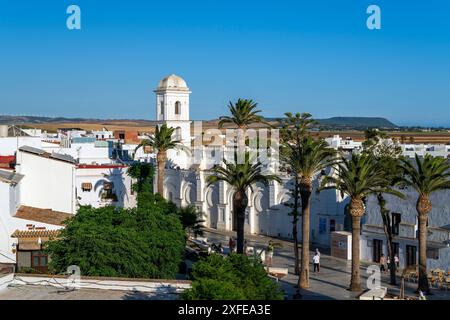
(310, 158)
(293, 130)
(388, 156)
(243, 113)
(191, 219)
(161, 142)
(426, 176)
(357, 178)
(392, 175)
(241, 177)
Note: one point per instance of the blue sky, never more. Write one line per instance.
(314, 56)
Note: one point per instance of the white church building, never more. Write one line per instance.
(185, 180)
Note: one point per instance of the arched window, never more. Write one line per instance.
(178, 133)
(161, 108)
(178, 107)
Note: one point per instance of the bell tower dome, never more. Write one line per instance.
(172, 99)
(172, 109)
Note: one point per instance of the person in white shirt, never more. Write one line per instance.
(316, 262)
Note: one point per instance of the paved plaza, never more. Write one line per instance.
(334, 277)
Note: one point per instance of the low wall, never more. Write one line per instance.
(5, 280)
(123, 284)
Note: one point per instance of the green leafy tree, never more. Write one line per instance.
(143, 174)
(114, 242)
(357, 178)
(241, 177)
(235, 277)
(426, 175)
(162, 142)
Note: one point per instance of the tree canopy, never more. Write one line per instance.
(235, 277)
(113, 242)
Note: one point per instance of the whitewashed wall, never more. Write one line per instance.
(47, 183)
(10, 145)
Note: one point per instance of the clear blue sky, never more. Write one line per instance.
(315, 56)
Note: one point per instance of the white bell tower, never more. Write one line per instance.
(172, 108)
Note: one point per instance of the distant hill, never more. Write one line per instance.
(360, 123)
(6, 119)
(357, 122)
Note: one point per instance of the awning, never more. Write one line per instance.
(86, 186)
(32, 239)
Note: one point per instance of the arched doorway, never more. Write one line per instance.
(212, 199)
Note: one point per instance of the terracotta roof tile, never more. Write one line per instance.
(35, 233)
(42, 215)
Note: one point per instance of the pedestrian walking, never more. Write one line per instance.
(316, 262)
(231, 245)
(382, 263)
(397, 262)
(270, 252)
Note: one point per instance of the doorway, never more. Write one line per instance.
(411, 255)
(377, 250)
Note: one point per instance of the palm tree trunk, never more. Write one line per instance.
(423, 280)
(387, 224)
(305, 192)
(355, 283)
(356, 211)
(295, 229)
(161, 159)
(392, 265)
(296, 255)
(240, 202)
(423, 207)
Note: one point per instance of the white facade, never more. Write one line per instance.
(48, 183)
(435, 150)
(266, 213)
(98, 176)
(10, 200)
(438, 229)
(55, 184)
(347, 144)
(10, 145)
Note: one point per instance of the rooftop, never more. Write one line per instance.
(42, 215)
(173, 82)
(44, 154)
(39, 292)
(10, 177)
(60, 287)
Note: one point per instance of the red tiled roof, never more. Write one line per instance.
(35, 233)
(42, 215)
(7, 159)
(7, 162)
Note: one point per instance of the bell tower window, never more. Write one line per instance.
(177, 107)
(161, 107)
